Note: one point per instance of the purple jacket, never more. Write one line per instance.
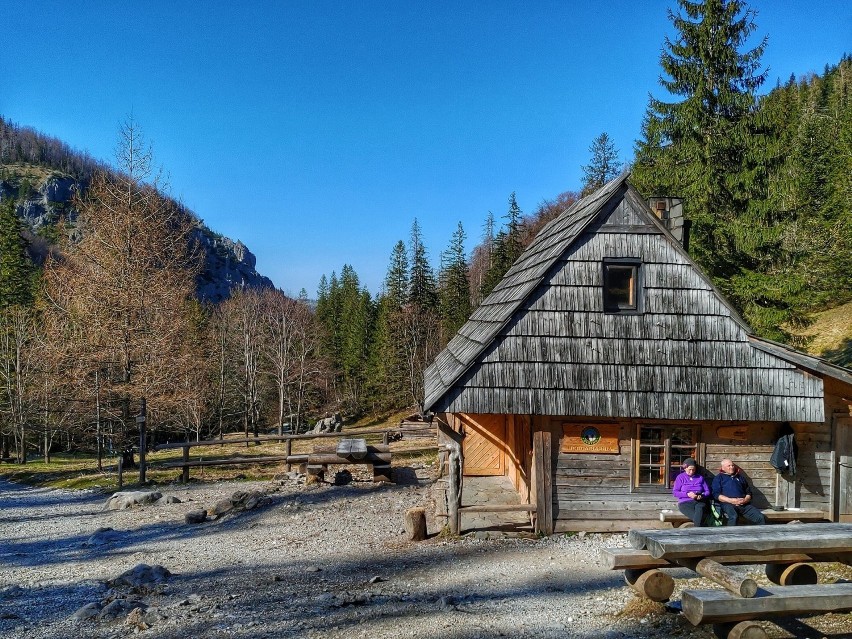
(686, 484)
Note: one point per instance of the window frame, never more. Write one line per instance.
(613, 307)
(668, 457)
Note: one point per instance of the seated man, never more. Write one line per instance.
(691, 492)
(732, 492)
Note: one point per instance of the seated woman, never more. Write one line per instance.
(692, 492)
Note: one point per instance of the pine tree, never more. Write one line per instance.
(698, 148)
(603, 166)
(506, 247)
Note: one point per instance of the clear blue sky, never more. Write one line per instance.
(316, 131)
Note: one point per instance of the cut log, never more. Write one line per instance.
(798, 574)
(415, 524)
(732, 580)
(718, 606)
(652, 584)
(741, 630)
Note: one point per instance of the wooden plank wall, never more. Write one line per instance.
(812, 485)
(593, 491)
(519, 454)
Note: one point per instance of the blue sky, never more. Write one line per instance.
(316, 131)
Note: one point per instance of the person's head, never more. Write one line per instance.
(728, 467)
(689, 466)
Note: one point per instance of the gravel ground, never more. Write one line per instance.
(317, 561)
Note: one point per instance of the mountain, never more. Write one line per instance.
(42, 175)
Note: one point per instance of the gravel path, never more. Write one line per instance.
(318, 561)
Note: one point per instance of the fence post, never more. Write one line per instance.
(185, 476)
(120, 472)
(140, 419)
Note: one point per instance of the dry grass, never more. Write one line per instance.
(77, 471)
(830, 335)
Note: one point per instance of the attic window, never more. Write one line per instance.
(621, 286)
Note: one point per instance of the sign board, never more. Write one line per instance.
(590, 438)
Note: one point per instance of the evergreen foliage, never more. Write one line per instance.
(454, 290)
(16, 269)
(603, 166)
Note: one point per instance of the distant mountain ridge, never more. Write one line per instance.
(42, 175)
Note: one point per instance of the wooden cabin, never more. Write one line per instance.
(605, 357)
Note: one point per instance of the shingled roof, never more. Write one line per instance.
(541, 342)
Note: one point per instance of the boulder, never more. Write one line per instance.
(122, 500)
(141, 576)
(195, 516)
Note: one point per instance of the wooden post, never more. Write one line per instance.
(798, 574)
(120, 472)
(453, 442)
(543, 482)
(415, 524)
(652, 584)
(289, 451)
(386, 437)
(184, 478)
(143, 443)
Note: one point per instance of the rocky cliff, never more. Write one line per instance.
(44, 197)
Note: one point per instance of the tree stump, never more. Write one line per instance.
(741, 630)
(415, 524)
(652, 584)
(791, 574)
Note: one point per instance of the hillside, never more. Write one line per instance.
(830, 335)
(42, 175)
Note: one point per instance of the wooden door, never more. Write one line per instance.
(843, 439)
(484, 446)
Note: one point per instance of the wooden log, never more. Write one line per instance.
(259, 459)
(455, 461)
(798, 574)
(732, 580)
(621, 558)
(709, 542)
(333, 458)
(741, 630)
(716, 606)
(652, 584)
(184, 476)
(415, 524)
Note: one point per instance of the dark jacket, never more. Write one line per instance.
(784, 456)
(733, 486)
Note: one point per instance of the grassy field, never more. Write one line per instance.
(77, 471)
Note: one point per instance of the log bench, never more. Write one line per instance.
(351, 451)
(678, 519)
(719, 606)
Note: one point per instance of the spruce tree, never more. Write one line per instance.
(603, 166)
(454, 291)
(422, 291)
(697, 148)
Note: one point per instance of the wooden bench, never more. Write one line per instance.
(773, 516)
(719, 606)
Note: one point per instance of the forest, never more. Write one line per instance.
(108, 316)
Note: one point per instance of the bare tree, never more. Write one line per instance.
(121, 295)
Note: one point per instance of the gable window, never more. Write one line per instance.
(621, 286)
(659, 453)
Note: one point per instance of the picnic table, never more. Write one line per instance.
(352, 451)
(786, 550)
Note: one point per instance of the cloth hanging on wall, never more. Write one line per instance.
(786, 451)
